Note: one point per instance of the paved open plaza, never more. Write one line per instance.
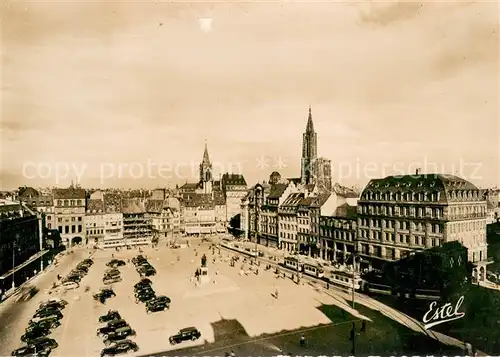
(228, 296)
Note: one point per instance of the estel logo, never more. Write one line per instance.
(442, 314)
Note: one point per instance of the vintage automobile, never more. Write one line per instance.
(155, 306)
(48, 312)
(111, 280)
(186, 334)
(31, 351)
(110, 316)
(46, 324)
(120, 347)
(34, 334)
(145, 296)
(143, 283)
(164, 299)
(53, 320)
(44, 342)
(118, 335)
(104, 294)
(112, 326)
(115, 263)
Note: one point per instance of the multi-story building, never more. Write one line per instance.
(113, 230)
(157, 211)
(199, 214)
(137, 226)
(401, 214)
(288, 222)
(234, 187)
(220, 211)
(94, 221)
(42, 203)
(21, 246)
(492, 197)
(268, 217)
(338, 234)
(69, 209)
(304, 224)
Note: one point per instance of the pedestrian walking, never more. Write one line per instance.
(302, 340)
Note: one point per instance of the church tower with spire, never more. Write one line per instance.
(309, 152)
(206, 178)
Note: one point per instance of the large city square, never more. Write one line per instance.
(232, 311)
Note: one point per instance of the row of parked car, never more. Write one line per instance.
(115, 335)
(144, 289)
(144, 293)
(75, 276)
(47, 317)
(143, 267)
(113, 275)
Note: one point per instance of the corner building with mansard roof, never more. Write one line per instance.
(401, 214)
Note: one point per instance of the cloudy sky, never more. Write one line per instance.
(108, 91)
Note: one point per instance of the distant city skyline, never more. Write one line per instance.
(392, 86)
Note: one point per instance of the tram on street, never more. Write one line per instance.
(306, 266)
(345, 279)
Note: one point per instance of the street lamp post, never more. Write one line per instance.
(354, 256)
(14, 246)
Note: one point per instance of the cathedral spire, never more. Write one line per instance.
(206, 158)
(310, 125)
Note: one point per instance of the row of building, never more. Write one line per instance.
(391, 218)
(111, 219)
(388, 220)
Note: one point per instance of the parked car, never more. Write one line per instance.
(110, 316)
(111, 280)
(70, 285)
(104, 294)
(46, 308)
(142, 263)
(58, 300)
(138, 259)
(112, 272)
(155, 306)
(112, 326)
(149, 272)
(146, 289)
(82, 269)
(48, 312)
(120, 347)
(53, 320)
(146, 270)
(34, 334)
(143, 283)
(188, 333)
(118, 335)
(53, 304)
(163, 299)
(115, 263)
(88, 261)
(46, 324)
(44, 342)
(31, 351)
(145, 296)
(71, 279)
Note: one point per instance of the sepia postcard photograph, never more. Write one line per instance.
(249, 178)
